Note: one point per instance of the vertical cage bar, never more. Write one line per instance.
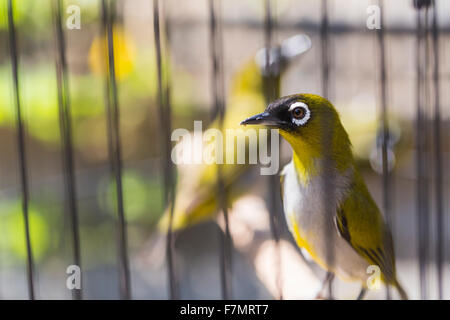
(215, 33)
(324, 43)
(165, 120)
(383, 119)
(271, 94)
(421, 148)
(162, 91)
(438, 170)
(328, 179)
(65, 119)
(21, 146)
(219, 111)
(112, 109)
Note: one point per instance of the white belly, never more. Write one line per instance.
(304, 205)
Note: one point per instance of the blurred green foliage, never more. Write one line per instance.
(137, 89)
(143, 198)
(12, 234)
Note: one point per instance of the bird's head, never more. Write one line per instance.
(309, 123)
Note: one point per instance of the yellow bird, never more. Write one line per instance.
(346, 233)
(197, 194)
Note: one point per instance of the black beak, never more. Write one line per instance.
(263, 118)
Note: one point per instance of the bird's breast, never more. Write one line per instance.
(313, 227)
(305, 200)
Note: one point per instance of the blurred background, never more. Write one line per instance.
(353, 87)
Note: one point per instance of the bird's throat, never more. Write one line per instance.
(308, 157)
(303, 156)
(304, 166)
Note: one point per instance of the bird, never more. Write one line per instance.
(327, 206)
(197, 197)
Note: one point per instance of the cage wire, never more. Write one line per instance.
(216, 51)
(65, 120)
(164, 109)
(21, 146)
(387, 183)
(422, 144)
(426, 78)
(270, 94)
(108, 14)
(328, 178)
(438, 170)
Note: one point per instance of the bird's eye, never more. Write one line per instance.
(300, 113)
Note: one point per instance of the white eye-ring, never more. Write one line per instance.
(300, 113)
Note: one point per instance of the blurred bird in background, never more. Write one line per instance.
(354, 235)
(196, 196)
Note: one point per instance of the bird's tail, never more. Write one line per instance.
(400, 290)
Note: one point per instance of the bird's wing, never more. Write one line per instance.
(361, 224)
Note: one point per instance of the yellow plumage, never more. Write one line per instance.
(355, 232)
